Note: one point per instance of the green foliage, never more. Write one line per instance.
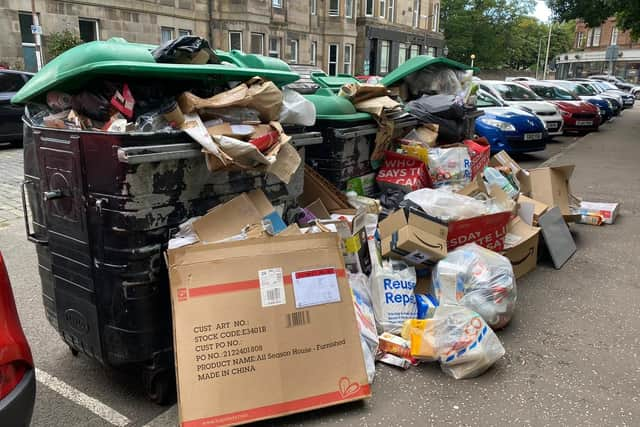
(62, 41)
(484, 28)
(594, 12)
(529, 36)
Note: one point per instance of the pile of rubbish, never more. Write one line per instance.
(238, 124)
(415, 262)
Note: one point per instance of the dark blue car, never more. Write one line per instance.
(509, 128)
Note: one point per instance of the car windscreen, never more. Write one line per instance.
(486, 100)
(553, 92)
(607, 86)
(11, 82)
(590, 89)
(515, 92)
(578, 89)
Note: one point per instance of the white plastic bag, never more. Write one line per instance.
(447, 206)
(449, 166)
(365, 318)
(479, 279)
(296, 109)
(392, 292)
(465, 345)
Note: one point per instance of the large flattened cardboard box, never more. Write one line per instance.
(262, 328)
(409, 236)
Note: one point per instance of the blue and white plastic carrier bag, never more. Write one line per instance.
(393, 286)
(465, 345)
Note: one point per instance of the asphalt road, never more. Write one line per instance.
(571, 350)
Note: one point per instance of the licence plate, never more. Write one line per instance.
(532, 136)
(584, 122)
(552, 125)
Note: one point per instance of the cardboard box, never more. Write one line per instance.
(551, 186)
(407, 235)
(317, 187)
(229, 219)
(486, 230)
(531, 210)
(262, 328)
(521, 246)
(608, 211)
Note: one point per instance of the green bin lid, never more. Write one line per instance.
(332, 82)
(74, 68)
(330, 106)
(418, 63)
(251, 60)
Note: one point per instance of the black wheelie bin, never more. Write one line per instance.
(104, 206)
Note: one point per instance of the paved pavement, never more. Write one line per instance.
(572, 349)
(11, 176)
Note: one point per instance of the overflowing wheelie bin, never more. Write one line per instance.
(104, 205)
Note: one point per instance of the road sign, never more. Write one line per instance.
(36, 29)
(612, 53)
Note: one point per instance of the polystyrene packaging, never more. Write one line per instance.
(479, 279)
(447, 206)
(464, 344)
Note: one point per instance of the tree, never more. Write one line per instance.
(529, 36)
(594, 12)
(483, 28)
(62, 41)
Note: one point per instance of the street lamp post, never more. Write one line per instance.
(426, 28)
(473, 58)
(546, 59)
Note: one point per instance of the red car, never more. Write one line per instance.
(578, 115)
(17, 374)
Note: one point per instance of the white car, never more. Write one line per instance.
(516, 95)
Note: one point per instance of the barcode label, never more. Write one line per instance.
(271, 287)
(298, 318)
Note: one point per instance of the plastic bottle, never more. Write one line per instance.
(493, 177)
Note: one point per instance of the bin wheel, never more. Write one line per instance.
(74, 352)
(159, 386)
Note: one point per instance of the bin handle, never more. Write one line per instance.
(30, 236)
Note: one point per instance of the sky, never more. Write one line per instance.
(542, 12)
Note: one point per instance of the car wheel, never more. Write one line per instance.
(16, 144)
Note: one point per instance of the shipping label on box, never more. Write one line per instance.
(262, 328)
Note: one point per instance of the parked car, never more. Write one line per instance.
(516, 95)
(616, 101)
(11, 115)
(17, 374)
(520, 79)
(578, 115)
(509, 128)
(620, 84)
(604, 105)
(628, 100)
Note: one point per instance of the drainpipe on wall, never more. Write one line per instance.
(210, 23)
